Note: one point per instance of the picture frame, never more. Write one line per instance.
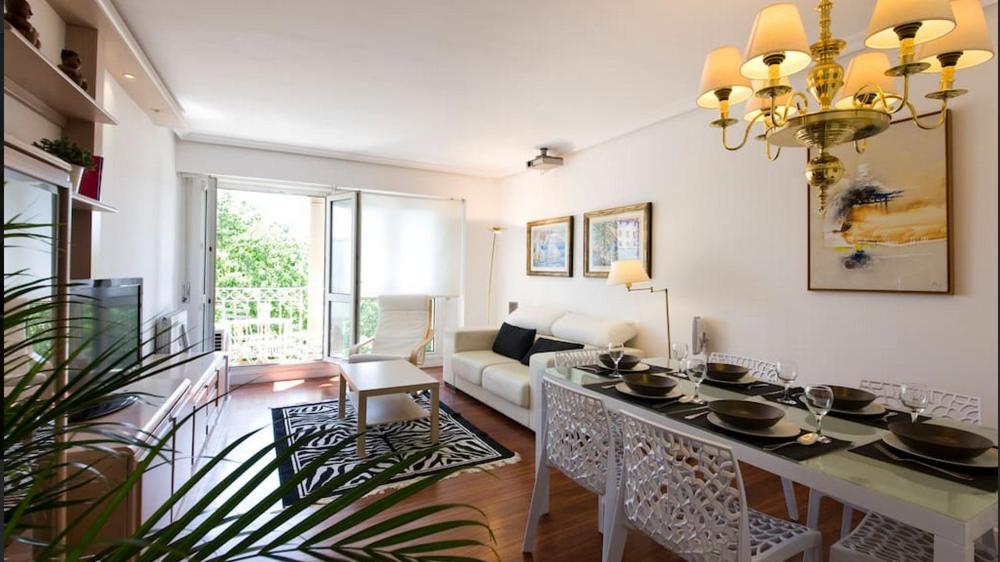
(549, 247)
(898, 239)
(617, 233)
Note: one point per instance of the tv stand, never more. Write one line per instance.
(108, 407)
(181, 406)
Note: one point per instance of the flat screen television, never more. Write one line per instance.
(106, 321)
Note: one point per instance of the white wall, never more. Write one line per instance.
(481, 195)
(145, 238)
(729, 240)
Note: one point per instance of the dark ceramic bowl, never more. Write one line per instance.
(746, 414)
(725, 372)
(847, 398)
(648, 384)
(941, 442)
(628, 361)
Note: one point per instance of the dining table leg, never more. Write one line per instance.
(812, 513)
(947, 550)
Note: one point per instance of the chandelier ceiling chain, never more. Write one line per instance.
(939, 36)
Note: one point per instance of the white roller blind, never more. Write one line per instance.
(410, 245)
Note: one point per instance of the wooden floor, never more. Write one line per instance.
(568, 533)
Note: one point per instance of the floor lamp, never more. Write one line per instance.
(628, 272)
(495, 230)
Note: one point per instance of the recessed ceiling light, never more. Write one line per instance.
(129, 75)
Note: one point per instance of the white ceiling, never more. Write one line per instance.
(461, 85)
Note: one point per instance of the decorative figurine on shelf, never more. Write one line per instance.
(18, 13)
(71, 67)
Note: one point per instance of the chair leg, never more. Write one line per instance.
(846, 521)
(790, 504)
(539, 505)
(601, 524)
(617, 533)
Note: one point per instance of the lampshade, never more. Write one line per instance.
(626, 272)
(758, 104)
(863, 70)
(971, 37)
(722, 70)
(935, 17)
(777, 30)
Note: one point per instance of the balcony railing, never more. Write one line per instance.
(267, 324)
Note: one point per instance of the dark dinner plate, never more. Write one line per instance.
(648, 384)
(726, 372)
(940, 441)
(847, 398)
(746, 414)
(627, 362)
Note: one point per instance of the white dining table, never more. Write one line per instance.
(954, 513)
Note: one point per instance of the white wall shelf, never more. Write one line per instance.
(36, 76)
(82, 202)
(122, 54)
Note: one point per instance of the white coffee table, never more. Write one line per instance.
(382, 378)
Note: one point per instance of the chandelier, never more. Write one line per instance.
(939, 36)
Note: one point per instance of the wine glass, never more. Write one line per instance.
(819, 400)
(788, 371)
(913, 395)
(616, 351)
(679, 351)
(696, 371)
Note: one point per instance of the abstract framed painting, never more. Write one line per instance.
(617, 234)
(550, 247)
(887, 226)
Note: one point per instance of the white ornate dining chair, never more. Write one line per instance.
(765, 371)
(687, 494)
(403, 331)
(881, 539)
(940, 404)
(576, 439)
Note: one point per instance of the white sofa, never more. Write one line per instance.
(506, 385)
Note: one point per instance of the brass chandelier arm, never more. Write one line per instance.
(746, 134)
(927, 127)
(914, 114)
(793, 98)
(880, 97)
(767, 152)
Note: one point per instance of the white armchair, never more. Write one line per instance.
(403, 331)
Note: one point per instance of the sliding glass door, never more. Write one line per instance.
(341, 274)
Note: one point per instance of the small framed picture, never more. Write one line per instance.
(621, 233)
(550, 247)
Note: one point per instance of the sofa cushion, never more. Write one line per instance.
(592, 330)
(512, 341)
(538, 318)
(509, 381)
(546, 345)
(470, 364)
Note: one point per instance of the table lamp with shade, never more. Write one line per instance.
(630, 272)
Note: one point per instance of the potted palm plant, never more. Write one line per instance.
(215, 523)
(79, 158)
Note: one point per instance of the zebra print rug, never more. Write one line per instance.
(462, 444)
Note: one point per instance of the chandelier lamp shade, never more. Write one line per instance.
(937, 36)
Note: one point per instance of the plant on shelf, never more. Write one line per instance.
(73, 154)
(68, 151)
(227, 513)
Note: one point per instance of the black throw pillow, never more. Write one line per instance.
(545, 345)
(512, 341)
